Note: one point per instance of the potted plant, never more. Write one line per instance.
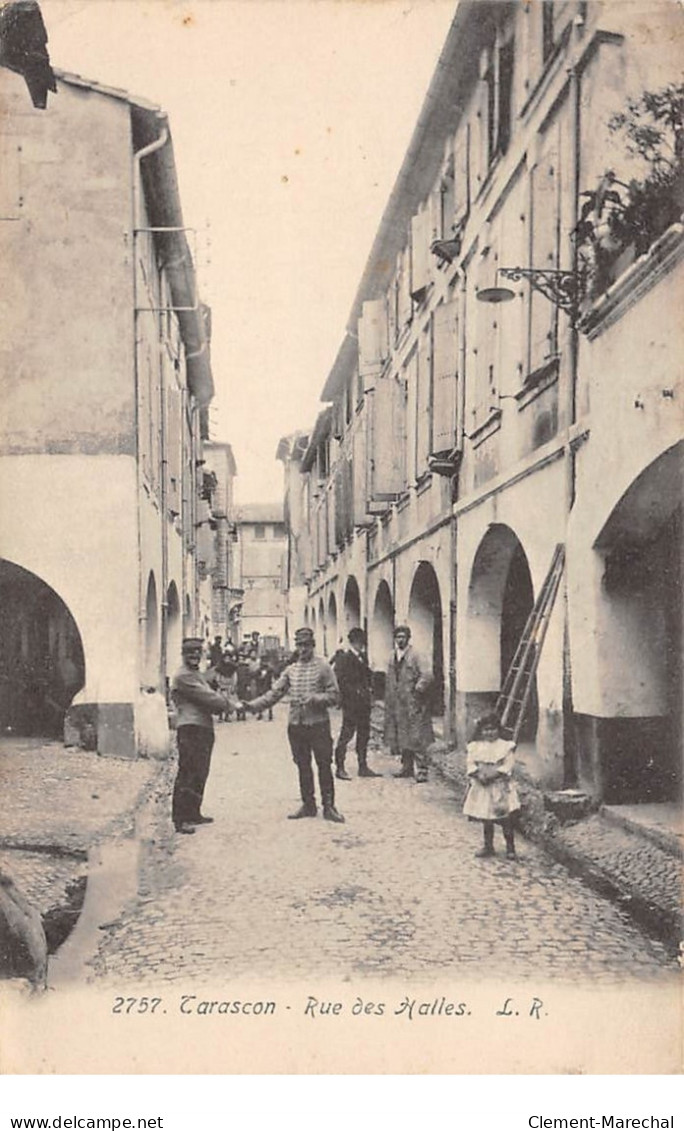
(620, 220)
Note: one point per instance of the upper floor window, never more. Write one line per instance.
(495, 107)
(259, 532)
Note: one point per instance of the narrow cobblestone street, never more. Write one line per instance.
(395, 892)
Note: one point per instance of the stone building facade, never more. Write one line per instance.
(106, 378)
(463, 439)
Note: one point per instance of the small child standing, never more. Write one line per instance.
(492, 795)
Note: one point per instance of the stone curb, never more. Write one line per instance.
(661, 921)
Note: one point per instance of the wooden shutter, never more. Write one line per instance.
(420, 253)
(373, 341)
(445, 377)
(461, 176)
(544, 251)
(387, 439)
(423, 404)
(405, 306)
(359, 470)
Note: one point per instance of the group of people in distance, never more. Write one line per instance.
(313, 687)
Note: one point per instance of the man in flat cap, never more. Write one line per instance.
(195, 703)
(408, 721)
(313, 689)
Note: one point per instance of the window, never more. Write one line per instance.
(423, 404)
(259, 532)
(495, 101)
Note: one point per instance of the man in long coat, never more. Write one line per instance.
(408, 720)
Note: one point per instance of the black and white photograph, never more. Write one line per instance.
(341, 439)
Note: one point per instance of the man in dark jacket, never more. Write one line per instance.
(195, 703)
(354, 678)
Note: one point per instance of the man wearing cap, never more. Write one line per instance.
(313, 689)
(195, 703)
(408, 720)
(355, 682)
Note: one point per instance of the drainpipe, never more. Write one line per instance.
(453, 598)
(138, 158)
(569, 735)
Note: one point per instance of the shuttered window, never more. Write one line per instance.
(545, 236)
(421, 232)
(445, 377)
(461, 174)
(373, 341)
(387, 439)
(423, 403)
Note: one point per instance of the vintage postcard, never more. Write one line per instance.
(340, 501)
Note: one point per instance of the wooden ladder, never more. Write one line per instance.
(515, 693)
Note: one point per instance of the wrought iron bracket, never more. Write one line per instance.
(562, 288)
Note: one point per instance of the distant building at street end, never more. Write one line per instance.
(106, 378)
(259, 573)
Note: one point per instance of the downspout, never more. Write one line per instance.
(138, 157)
(453, 728)
(569, 733)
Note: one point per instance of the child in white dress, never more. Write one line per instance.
(492, 795)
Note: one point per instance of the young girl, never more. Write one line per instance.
(492, 795)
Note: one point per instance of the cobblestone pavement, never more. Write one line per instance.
(56, 802)
(395, 892)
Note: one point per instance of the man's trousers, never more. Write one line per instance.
(195, 744)
(317, 740)
(353, 722)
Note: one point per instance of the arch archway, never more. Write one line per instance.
(41, 654)
(352, 604)
(425, 621)
(174, 627)
(321, 642)
(500, 598)
(381, 626)
(639, 617)
(152, 641)
(332, 631)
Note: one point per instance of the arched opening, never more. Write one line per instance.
(352, 604)
(500, 599)
(380, 636)
(174, 628)
(42, 665)
(321, 641)
(425, 621)
(640, 664)
(152, 641)
(333, 641)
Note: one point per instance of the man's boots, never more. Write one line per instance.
(330, 813)
(340, 772)
(305, 810)
(406, 770)
(365, 770)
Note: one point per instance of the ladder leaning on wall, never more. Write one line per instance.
(515, 693)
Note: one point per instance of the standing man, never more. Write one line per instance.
(408, 722)
(195, 703)
(355, 681)
(313, 688)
